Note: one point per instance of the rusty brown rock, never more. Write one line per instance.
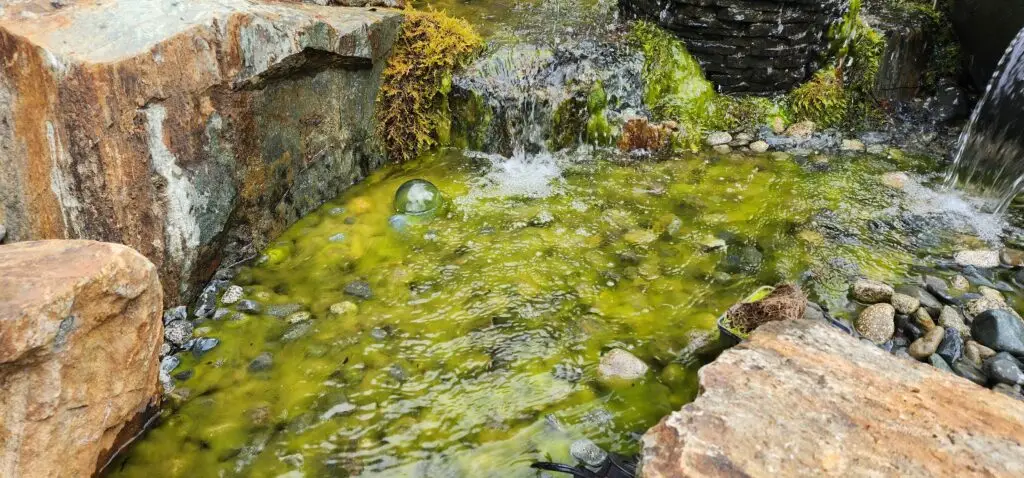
(802, 399)
(180, 128)
(80, 334)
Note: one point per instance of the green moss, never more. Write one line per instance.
(472, 119)
(599, 131)
(569, 123)
(822, 100)
(412, 107)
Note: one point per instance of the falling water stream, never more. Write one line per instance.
(989, 162)
(470, 346)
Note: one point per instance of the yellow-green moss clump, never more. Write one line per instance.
(675, 89)
(821, 100)
(412, 107)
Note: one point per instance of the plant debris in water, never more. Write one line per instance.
(786, 302)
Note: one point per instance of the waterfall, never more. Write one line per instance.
(989, 161)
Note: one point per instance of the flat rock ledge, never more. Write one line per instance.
(802, 399)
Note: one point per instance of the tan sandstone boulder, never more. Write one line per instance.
(802, 399)
(183, 127)
(80, 334)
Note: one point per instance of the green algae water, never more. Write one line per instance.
(475, 350)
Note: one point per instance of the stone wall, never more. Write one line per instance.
(747, 46)
(80, 334)
(180, 127)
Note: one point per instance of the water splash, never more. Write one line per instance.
(954, 210)
(990, 158)
(522, 175)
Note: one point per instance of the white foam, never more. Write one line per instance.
(522, 175)
(956, 208)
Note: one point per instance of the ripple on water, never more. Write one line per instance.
(475, 351)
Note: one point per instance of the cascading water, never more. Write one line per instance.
(989, 162)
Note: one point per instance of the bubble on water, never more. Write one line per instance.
(417, 197)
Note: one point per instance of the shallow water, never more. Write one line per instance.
(477, 353)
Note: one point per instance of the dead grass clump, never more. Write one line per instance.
(786, 302)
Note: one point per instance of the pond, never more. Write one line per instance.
(467, 344)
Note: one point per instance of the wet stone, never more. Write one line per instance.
(249, 306)
(999, 330)
(169, 363)
(926, 346)
(283, 310)
(262, 362)
(231, 295)
(1004, 368)
(178, 332)
(1012, 391)
(969, 371)
(344, 308)
(184, 375)
(938, 288)
(296, 331)
(982, 259)
(871, 292)
(950, 318)
(297, 317)
(923, 319)
(939, 363)
(718, 138)
(1012, 257)
(759, 146)
(175, 313)
(203, 345)
(960, 282)
(877, 323)
(568, 372)
(976, 353)
(952, 346)
(909, 328)
(588, 453)
(619, 364)
(360, 289)
(206, 304)
(905, 304)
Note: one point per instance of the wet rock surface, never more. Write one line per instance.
(747, 46)
(147, 129)
(80, 335)
(802, 398)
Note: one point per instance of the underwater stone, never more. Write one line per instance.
(262, 362)
(399, 222)
(417, 197)
(203, 345)
(339, 237)
(344, 308)
(297, 317)
(619, 364)
(588, 453)
(747, 259)
(360, 289)
(249, 306)
(283, 310)
(169, 363)
(905, 304)
(296, 331)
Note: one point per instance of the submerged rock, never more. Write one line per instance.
(231, 295)
(178, 332)
(619, 364)
(588, 453)
(360, 289)
(718, 138)
(262, 362)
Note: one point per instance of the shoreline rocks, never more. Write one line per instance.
(80, 335)
(802, 398)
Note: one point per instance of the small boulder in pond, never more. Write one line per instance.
(905, 304)
(588, 453)
(178, 332)
(871, 292)
(950, 318)
(262, 362)
(621, 365)
(999, 330)
(360, 289)
(877, 323)
(202, 345)
(417, 197)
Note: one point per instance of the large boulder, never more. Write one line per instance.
(181, 128)
(80, 334)
(800, 398)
